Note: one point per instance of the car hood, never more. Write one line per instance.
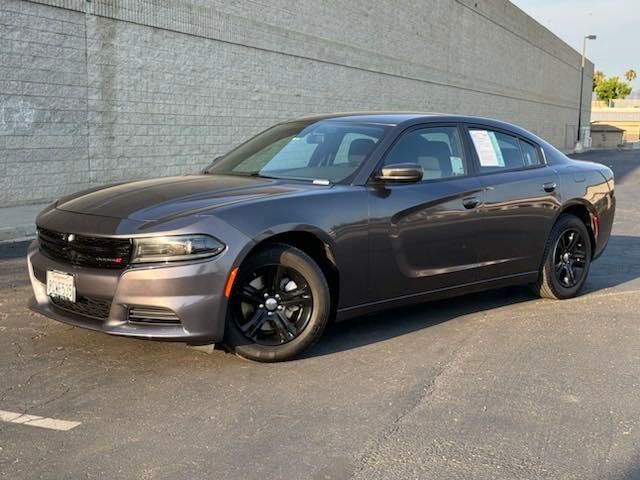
(171, 197)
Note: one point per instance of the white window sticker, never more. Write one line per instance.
(489, 152)
(457, 166)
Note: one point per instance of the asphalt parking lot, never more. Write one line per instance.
(499, 385)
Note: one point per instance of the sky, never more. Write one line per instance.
(615, 22)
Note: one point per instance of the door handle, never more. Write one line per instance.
(470, 202)
(549, 187)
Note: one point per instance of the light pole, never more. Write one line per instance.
(584, 50)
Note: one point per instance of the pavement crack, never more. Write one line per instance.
(5, 392)
(67, 389)
(423, 393)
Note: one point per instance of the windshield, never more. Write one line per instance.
(325, 151)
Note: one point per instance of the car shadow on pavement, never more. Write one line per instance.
(633, 473)
(13, 250)
(619, 264)
(395, 322)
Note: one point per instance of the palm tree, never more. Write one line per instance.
(598, 76)
(631, 75)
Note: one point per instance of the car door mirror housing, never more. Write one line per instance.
(401, 173)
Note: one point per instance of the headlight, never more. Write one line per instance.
(171, 249)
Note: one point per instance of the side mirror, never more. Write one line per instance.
(401, 173)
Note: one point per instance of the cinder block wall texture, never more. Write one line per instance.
(111, 90)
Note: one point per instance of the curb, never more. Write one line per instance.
(18, 233)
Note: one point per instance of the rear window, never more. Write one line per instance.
(499, 151)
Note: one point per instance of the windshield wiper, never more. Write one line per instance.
(260, 175)
(315, 181)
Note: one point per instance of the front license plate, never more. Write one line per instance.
(61, 285)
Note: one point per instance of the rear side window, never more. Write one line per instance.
(498, 151)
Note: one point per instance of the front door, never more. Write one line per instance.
(421, 235)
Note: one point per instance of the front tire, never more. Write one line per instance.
(279, 305)
(567, 259)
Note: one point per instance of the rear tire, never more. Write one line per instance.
(279, 305)
(567, 258)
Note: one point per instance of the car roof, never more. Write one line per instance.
(397, 118)
(387, 118)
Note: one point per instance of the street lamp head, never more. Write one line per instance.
(591, 37)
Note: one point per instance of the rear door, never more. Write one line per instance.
(520, 200)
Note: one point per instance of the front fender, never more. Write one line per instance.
(274, 231)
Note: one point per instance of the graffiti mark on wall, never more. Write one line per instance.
(16, 114)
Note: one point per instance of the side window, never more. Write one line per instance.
(531, 154)
(497, 151)
(354, 147)
(437, 150)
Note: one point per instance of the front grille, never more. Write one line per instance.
(87, 306)
(153, 315)
(85, 251)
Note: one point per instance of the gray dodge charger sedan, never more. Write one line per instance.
(318, 219)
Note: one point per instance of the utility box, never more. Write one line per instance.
(606, 136)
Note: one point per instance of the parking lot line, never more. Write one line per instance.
(36, 421)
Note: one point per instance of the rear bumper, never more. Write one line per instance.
(193, 291)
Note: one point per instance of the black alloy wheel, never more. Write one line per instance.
(279, 305)
(567, 258)
(273, 305)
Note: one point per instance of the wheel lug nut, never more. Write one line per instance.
(279, 307)
(270, 313)
(266, 295)
(261, 306)
(277, 296)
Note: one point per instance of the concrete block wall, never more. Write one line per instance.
(112, 90)
(43, 103)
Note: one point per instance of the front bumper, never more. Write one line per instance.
(194, 291)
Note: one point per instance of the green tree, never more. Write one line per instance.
(612, 88)
(598, 76)
(631, 75)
